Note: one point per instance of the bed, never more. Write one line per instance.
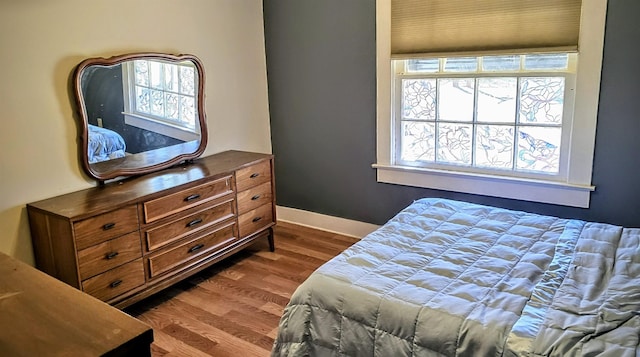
(104, 144)
(448, 278)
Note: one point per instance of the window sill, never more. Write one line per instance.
(166, 129)
(559, 193)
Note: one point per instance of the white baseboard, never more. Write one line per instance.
(332, 224)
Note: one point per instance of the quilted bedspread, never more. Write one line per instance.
(447, 278)
(104, 144)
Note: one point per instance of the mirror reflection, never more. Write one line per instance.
(140, 112)
(138, 106)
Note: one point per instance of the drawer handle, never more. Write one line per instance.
(115, 283)
(111, 255)
(254, 175)
(256, 219)
(196, 248)
(255, 197)
(194, 222)
(108, 226)
(192, 197)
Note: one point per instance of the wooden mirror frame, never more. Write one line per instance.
(149, 161)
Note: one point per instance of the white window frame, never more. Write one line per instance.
(573, 190)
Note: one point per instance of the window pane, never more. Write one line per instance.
(172, 110)
(546, 61)
(430, 65)
(418, 141)
(461, 64)
(538, 149)
(497, 100)
(157, 102)
(141, 69)
(455, 99)
(494, 146)
(142, 100)
(155, 74)
(187, 110)
(501, 63)
(171, 77)
(454, 143)
(542, 100)
(419, 98)
(187, 80)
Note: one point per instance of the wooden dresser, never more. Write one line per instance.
(126, 240)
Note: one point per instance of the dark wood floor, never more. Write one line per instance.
(233, 308)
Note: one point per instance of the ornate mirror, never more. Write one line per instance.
(139, 113)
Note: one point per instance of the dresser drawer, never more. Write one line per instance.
(253, 175)
(255, 220)
(191, 250)
(168, 205)
(116, 281)
(254, 197)
(159, 236)
(107, 255)
(106, 226)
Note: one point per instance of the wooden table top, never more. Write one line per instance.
(42, 316)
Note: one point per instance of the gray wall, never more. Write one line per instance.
(321, 75)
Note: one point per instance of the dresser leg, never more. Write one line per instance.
(272, 245)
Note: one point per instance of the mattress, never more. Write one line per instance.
(448, 278)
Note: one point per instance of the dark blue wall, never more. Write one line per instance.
(321, 71)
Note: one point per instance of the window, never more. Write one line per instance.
(161, 94)
(515, 123)
(492, 114)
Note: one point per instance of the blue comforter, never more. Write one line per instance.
(447, 278)
(104, 144)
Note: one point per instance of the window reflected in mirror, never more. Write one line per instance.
(161, 92)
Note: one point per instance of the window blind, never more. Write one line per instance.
(427, 28)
